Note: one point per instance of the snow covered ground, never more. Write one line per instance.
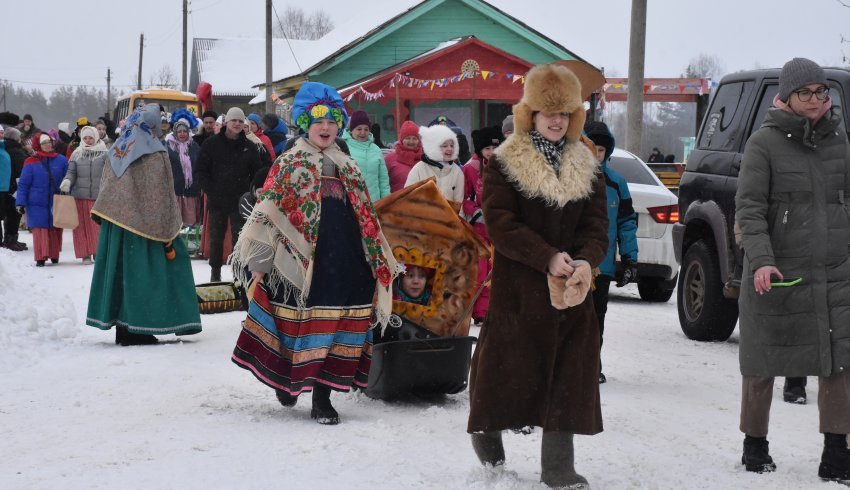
(77, 411)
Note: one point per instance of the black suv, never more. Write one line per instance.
(704, 238)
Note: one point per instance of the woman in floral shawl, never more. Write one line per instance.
(320, 267)
(142, 281)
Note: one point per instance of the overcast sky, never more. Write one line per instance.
(62, 42)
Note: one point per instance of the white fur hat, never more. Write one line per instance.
(435, 136)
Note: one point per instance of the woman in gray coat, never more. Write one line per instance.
(793, 209)
(83, 182)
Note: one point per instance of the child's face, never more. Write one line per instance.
(413, 282)
(487, 152)
(448, 149)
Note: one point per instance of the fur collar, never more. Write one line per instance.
(533, 177)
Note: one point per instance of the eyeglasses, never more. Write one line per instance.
(805, 94)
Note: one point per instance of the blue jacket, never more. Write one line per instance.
(622, 221)
(278, 136)
(5, 168)
(35, 190)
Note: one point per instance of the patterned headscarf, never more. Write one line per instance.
(318, 101)
(140, 137)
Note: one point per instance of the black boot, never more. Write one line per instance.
(756, 457)
(39, 263)
(215, 274)
(124, 337)
(488, 447)
(286, 399)
(794, 391)
(835, 461)
(55, 261)
(323, 412)
(558, 461)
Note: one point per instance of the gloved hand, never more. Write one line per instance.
(628, 273)
(22, 210)
(65, 186)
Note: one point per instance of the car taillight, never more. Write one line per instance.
(665, 214)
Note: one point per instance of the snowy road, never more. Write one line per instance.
(77, 411)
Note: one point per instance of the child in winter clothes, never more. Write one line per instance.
(407, 153)
(368, 156)
(413, 286)
(440, 151)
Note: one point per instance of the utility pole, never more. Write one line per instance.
(108, 90)
(141, 51)
(185, 28)
(269, 103)
(637, 53)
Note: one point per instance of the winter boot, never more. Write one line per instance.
(124, 338)
(756, 457)
(602, 378)
(558, 462)
(55, 261)
(285, 398)
(215, 274)
(835, 461)
(39, 263)
(488, 447)
(323, 412)
(794, 391)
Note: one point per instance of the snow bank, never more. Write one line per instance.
(36, 317)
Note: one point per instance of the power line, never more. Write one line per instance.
(63, 84)
(283, 32)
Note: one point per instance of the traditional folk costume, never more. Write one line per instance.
(329, 269)
(135, 286)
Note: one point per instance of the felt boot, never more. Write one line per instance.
(286, 399)
(835, 461)
(756, 457)
(558, 462)
(488, 447)
(323, 412)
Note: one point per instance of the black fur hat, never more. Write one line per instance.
(484, 137)
(9, 119)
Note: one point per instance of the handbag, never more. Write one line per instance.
(64, 206)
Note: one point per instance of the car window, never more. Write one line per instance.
(632, 170)
(722, 127)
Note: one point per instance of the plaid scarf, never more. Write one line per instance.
(551, 151)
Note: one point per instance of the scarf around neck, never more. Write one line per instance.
(182, 149)
(551, 151)
(286, 222)
(92, 151)
(407, 156)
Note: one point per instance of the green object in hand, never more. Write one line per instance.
(790, 282)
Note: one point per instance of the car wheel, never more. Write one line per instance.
(704, 314)
(656, 290)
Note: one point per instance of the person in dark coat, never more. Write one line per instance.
(226, 165)
(656, 156)
(544, 203)
(792, 208)
(183, 154)
(11, 217)
(208, 129)
(28, 128)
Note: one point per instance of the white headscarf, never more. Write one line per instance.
(88, 152)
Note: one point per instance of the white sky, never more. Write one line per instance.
(744, 34)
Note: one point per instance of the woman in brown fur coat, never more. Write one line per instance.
(545, 208)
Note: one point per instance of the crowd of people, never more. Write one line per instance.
(295, 219)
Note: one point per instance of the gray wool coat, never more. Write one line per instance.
(793, 210)
(85, 173)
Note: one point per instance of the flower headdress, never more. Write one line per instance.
(318, 101)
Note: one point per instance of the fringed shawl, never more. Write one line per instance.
(284, 226)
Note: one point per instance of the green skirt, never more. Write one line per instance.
(135, 286)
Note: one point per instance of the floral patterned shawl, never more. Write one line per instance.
(285, 226)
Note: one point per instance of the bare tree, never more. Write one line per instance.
(704, 66)
(295, 23)
(164, 77)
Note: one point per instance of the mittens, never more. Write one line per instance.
(566, 292)
(65, 186)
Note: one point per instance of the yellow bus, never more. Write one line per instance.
(169, 99)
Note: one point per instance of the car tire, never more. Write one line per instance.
(656, 289)
(704, 314)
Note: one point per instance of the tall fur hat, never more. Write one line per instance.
(550, 88)
(434, 136)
